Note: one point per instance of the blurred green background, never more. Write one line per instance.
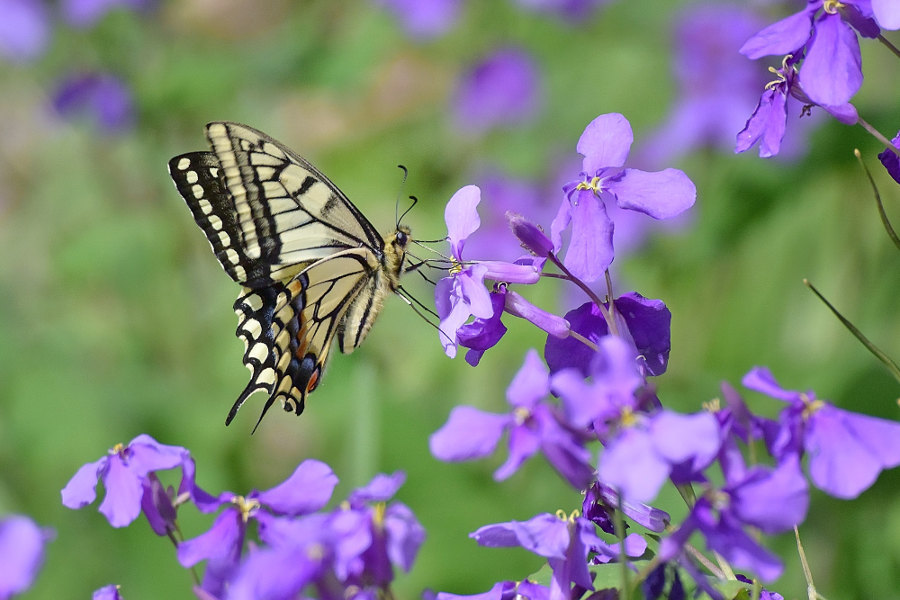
(116, 320)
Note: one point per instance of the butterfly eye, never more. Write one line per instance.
(402, 239)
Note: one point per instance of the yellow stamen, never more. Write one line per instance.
(521, 414)
(247, 507)
(833, 6)
(713, 406)
(810, 406)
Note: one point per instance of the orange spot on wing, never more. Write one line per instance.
(313, 381)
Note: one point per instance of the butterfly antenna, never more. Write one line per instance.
(406, 212)
(412, 299)
(397, 203)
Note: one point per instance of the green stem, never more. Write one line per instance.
(878, 135)
(619, 521)
(888, 45)
(884, 218)
(884, 358)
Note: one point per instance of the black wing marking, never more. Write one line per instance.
(288, 328)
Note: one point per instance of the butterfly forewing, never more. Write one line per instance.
(311, 265)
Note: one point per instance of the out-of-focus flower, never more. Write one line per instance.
(101, 97)
(307, 490)
(771, 500)
(605, 144)
(503, 89)
(84, 13)
(715, 83)
(24, 29)
(424, 19)
(847, 451)
(573, 11)
(533, 426)
(349, 552)
(107, 592)
(22, 544)
(564, 541)
(124, 470)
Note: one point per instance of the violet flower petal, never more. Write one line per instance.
(782, 37)
(544, 534)
(468, 433)
(605, 142)
(774, 502)
(405, 535)
(590, 249)
(832, 70)
(661, 195)
(82, 488)
(630, 464)
(122, 503)
(307, 490)
(24, 29)
(766, 125)
(461, 216)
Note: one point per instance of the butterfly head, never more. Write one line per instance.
(395, 252)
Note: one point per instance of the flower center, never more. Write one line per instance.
(246, 506)
(810, 406)
(456, 267)
(780, 76)
(592, 185)
(521, 414)
(832, 6)
(568, 518)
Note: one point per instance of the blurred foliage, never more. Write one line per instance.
(116, 319)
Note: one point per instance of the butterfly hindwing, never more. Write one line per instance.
(288, 328)
(311, 266)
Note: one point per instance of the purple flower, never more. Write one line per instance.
(532, 237)
(564, 541)
(84, 13)
(573, 11)
(601, 501)
(307, 489)
(424, 19)
(533, 425)
(604, 144)
(832, 68)
(502, 89)
(349, 549)
(847, 450)
(24, 29)
(124, 471)
(107, 592)
(100, 96)
(772, 500)
(767, 123)
(648, 450)
(505, 590)
(644, 321)
(462, 294)
(711, 81)
(890, 160)
(22, 544)
(482, 334)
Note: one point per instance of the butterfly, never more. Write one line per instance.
(312, 268)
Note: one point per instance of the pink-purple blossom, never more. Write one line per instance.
(22, 544)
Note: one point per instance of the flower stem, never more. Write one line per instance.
(884, 218)
(581, 284)
(878, 136)
(889, 45)
(574, 334)
(619, 522)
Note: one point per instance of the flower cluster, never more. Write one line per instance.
(346, 552)
(588, 404)
(822, 64)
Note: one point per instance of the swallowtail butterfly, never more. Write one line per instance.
(311, 266)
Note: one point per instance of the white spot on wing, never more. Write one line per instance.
(184, 163)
